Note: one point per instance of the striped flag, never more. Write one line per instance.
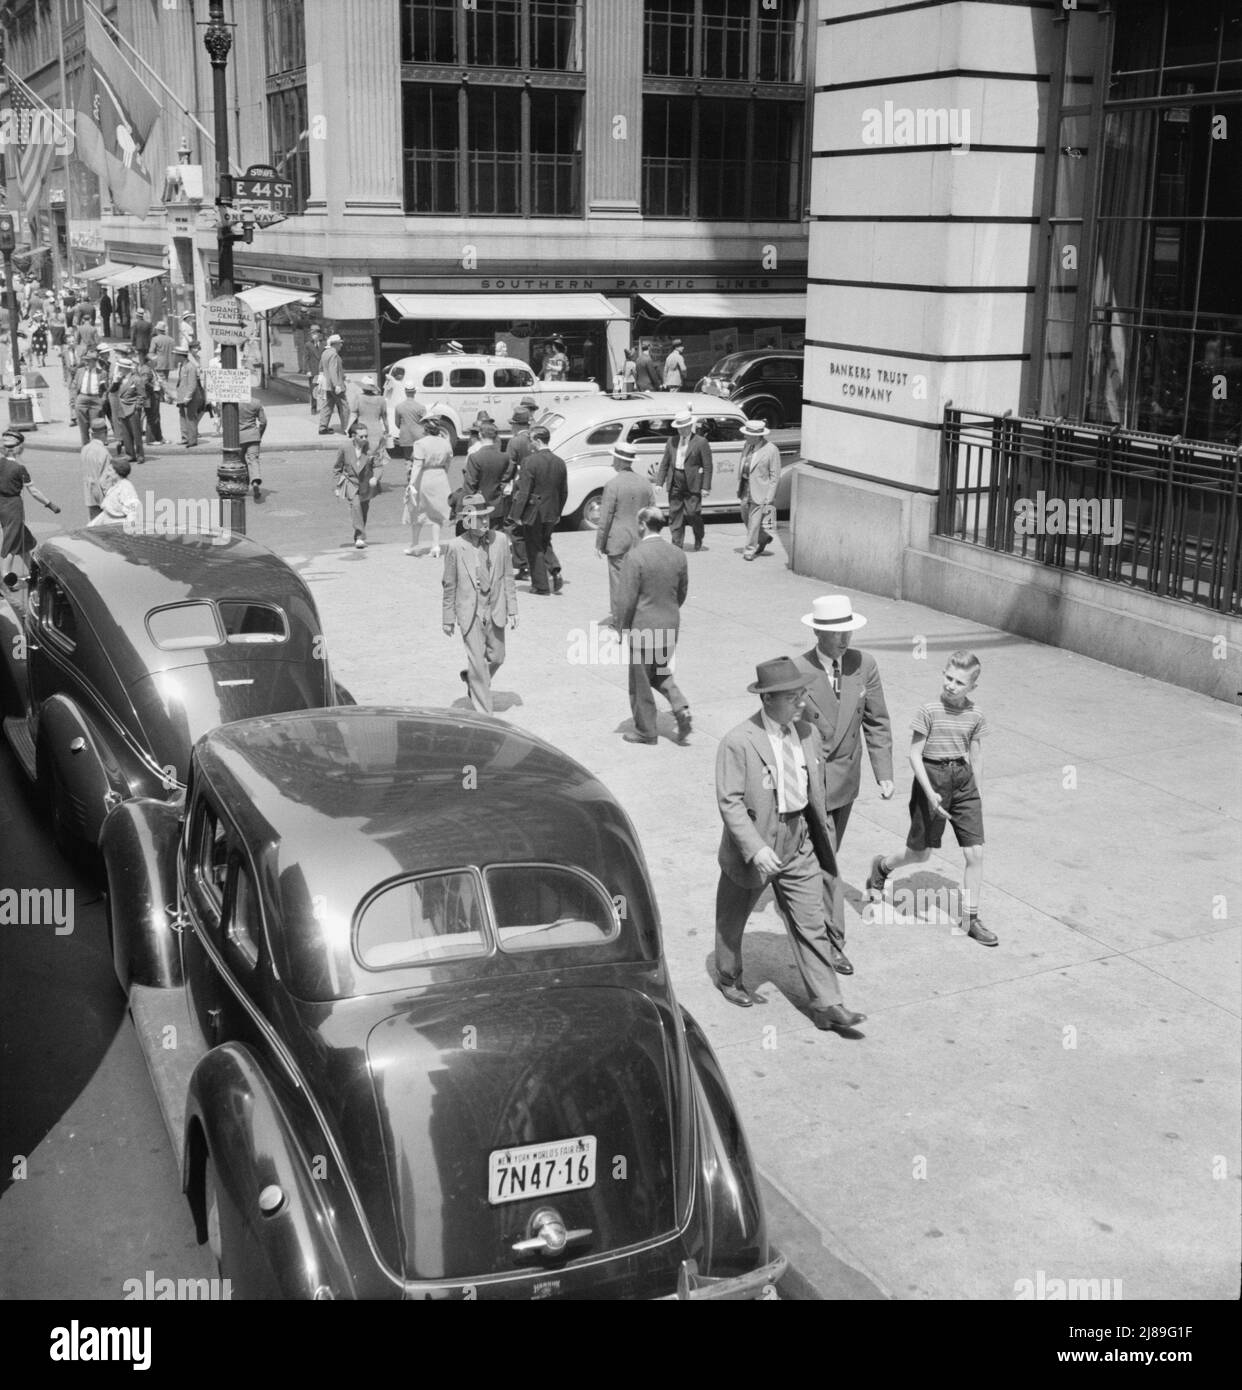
(35, 148)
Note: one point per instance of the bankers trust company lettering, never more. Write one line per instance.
(868, 383)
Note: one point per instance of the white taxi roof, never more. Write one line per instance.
(580, 411)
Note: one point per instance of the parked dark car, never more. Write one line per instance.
(428, 1047)
(765, 382)
(128, 647)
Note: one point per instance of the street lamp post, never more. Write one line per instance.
(232, 476)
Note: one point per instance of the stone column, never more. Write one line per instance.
(614, 108)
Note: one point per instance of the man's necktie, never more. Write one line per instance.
(836, 679)
(794, 799)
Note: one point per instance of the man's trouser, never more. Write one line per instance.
(189, 422)
(540, 555)
(753, 515)
(334, 400)
(485, 654)
(129, 431)
(87, 408)
(684, 506)
(649, 672)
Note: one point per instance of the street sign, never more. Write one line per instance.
(263, 216)
(229, 320)
(228, 383)
(262, 186)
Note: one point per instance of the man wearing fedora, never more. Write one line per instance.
(332, 369)
(624, 496)
(480, 597)
(87, 393)
(758, 474)
(845, 704)
(769, 786)
(686, 471)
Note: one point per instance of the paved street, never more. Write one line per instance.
(1067, 1103)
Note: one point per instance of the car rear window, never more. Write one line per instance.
(247, 622)
(538, 907)
(721, 429)
(606, 434)
(184, 625)
(422, 921)
(434, 380)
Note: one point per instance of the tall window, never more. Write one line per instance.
(1147, 333)
(508, 143)
(723, 109)
(287, 126)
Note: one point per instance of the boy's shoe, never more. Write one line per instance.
(876, 879)
(684, 724)
(978, 932)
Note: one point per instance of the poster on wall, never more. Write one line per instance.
(769, 338)
(723, 341)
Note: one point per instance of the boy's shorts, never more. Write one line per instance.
(955, 783)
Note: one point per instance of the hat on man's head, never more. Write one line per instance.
(181, 352)
(755, 429)
(90, 353)
(366, 381)
(678, 343)
(410, 386)
(779, 674)
(454, 346)
(521, 417)
(334, 338)
(624, 454)
(194, 345)
(682, 419)
(832, 613)
(474, 505)
(13, 437)
(529, 403)
(99, 425)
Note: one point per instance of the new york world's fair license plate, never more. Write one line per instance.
(540, 1170)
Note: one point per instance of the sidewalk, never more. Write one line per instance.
(1066, 1103)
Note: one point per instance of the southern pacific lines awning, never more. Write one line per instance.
(512, 308)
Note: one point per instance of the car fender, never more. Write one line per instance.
(12, 663)
(286, 1245)
(139, 846)
(441, 410)
(752, 400)
(731, 1208)
(93, 778)
(587, 473)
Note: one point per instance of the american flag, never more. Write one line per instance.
(34, 157)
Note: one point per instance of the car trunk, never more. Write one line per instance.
(465, 1090)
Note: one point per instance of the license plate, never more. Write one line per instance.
(540, 1170)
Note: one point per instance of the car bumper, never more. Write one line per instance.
(755, 1285)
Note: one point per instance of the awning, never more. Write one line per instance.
(264, 298)
(728, 307)
(103, 272)
(133, 275)
(511, 308)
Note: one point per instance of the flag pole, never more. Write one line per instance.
(65, 270)
(199, 126)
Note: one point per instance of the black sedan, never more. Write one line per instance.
(765, 382)
(128, 647)
(428, 1047)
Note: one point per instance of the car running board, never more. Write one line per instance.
(17, 731)
(172, 1046)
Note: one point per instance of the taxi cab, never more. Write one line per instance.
(584, 432)
(456, 386)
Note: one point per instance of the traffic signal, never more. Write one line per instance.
(8, 232)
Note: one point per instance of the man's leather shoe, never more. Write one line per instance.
(735, 994)
(978, 932)
(838, 1016)
(638, 738)
(684, 724)
(841, 963)
(557, 583)
(698, 545)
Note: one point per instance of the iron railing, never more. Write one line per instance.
(1144, 510)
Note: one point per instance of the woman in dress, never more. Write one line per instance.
(427, 493)
(16, 542)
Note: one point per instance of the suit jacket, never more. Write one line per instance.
(542, 489)
(652, 587)
(251, 421)
(131, 394)
(759, 473)
(406, 414)
(101, 380)
(625, 495)
(353, 477)
(646, 373)
(487, 471)
(746, 795)
(463, 604)
(140, 335)
(698, 464)
(333, 370)
(842, 723)
(189, 387)
(161, 354)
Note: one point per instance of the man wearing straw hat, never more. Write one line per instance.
(769, 786)
(624, 496)
(480, 597)
(686, 471)
(845, 703)
(758, 475)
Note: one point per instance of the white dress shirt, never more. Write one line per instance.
(784, 794)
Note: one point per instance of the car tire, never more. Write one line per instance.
(586, 518)
(767, 411)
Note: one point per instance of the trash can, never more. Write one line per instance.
(21, 412)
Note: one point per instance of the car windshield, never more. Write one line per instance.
(730, 366)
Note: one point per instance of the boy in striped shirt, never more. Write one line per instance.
(946, 755)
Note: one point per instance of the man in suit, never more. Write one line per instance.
(188, 395)
(479, 597)
(160, 356)
(140, 334)
(354, 471)
(333, 371)
(624, 497)
(652, 588)
(646, 373)
(845, 704)
(769, 786)
(87, 393)
(686, 471)
(131, 400)
(105, 313)
(758, 475)
(488, 469)
(251, 426)
(519, 447)
(538, 501)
